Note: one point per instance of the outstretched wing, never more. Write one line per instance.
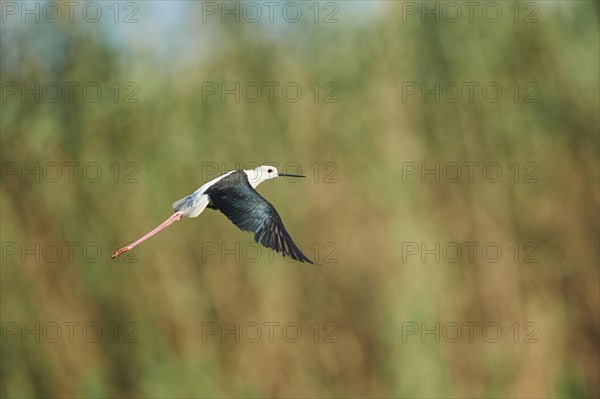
(249, 211)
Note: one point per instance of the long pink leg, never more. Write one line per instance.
(172, 219)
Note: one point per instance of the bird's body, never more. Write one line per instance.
(235, 196)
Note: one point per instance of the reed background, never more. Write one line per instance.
(357, 212)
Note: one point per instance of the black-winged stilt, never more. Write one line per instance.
(235, 196)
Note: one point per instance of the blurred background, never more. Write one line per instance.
(113, 110)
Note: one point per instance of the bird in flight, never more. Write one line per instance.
(235, 196)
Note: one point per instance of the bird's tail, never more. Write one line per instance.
(192, 205)
(183, 204)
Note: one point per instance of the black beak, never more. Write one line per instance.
(288, 175)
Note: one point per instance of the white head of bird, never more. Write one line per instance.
(264, 173)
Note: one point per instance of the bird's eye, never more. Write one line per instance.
(270, 171)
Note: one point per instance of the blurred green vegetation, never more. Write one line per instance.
(171, 134)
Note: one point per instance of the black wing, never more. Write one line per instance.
(249, 211)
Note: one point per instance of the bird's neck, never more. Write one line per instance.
(254, 178)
